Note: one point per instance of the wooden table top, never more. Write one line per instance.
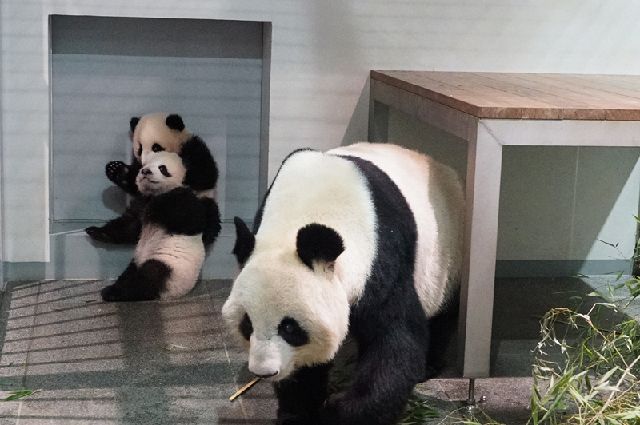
(525, 96)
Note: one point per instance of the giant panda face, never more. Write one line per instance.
(160, 173)
(157, 132)
(286, 313)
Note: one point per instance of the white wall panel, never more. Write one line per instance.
(322, 51)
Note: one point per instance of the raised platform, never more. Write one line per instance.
(75, 256)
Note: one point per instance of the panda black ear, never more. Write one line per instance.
(133, 122)
(316, 242)
(245, 241)
(174, 122)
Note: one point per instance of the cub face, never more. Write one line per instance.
(160, 173)
(157, 132)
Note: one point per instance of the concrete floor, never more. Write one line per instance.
(173, 362)
(139, 363)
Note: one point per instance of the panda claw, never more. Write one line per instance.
(97, 234)
(115, 171)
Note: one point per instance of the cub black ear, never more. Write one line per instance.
(316, 242)
(174, 122)
(245, 241)
(133, 122)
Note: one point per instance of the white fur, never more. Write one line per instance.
(183, 254)
(271, 285)
(152, 182)
(268, 357)
(314, 187)
(434, 194)
(152, 128)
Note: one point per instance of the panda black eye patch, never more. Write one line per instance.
(164, 171)
(246, 328)
(157, 148)
(140, 150)
(291, 331)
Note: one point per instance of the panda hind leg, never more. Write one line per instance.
(146, 282)
(443, 329)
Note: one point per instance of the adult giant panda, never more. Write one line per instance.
(157, 132)
(363, 239)
(170, 252)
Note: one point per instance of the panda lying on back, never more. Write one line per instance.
(363, 239)
(170, 252)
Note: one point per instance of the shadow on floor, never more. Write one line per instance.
(173, 362)
(151, 362)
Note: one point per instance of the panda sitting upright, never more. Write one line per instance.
(363, 239)
(150, 133)
(170, 252)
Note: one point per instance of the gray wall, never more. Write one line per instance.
(322, 53)
(561, 208)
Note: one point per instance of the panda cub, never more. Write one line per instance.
(170, 252)
(157, 132)
(364, 239)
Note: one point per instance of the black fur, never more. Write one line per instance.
(442, 330)
(246, 327)
(202, 171)
(126, 228)
(212, 224)
(290, 330)
(133, 123)
(245, 241)
(302, 395)
(202, 174)
(388, 324)
(178, 211)
(316, 242)
(124, 176)
(121, 230)
(174, 122)
(142, 283)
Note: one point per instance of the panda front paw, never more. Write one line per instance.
(117, 172)
(98, 234)
(111, 293)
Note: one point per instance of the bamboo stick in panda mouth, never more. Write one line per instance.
(244, 389)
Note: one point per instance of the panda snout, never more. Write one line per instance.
(146, 172)
(265, 369)
(264, 358)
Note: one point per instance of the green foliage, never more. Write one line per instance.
(583, 373)
(586, 369)
(18, 394)
(418, 412)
